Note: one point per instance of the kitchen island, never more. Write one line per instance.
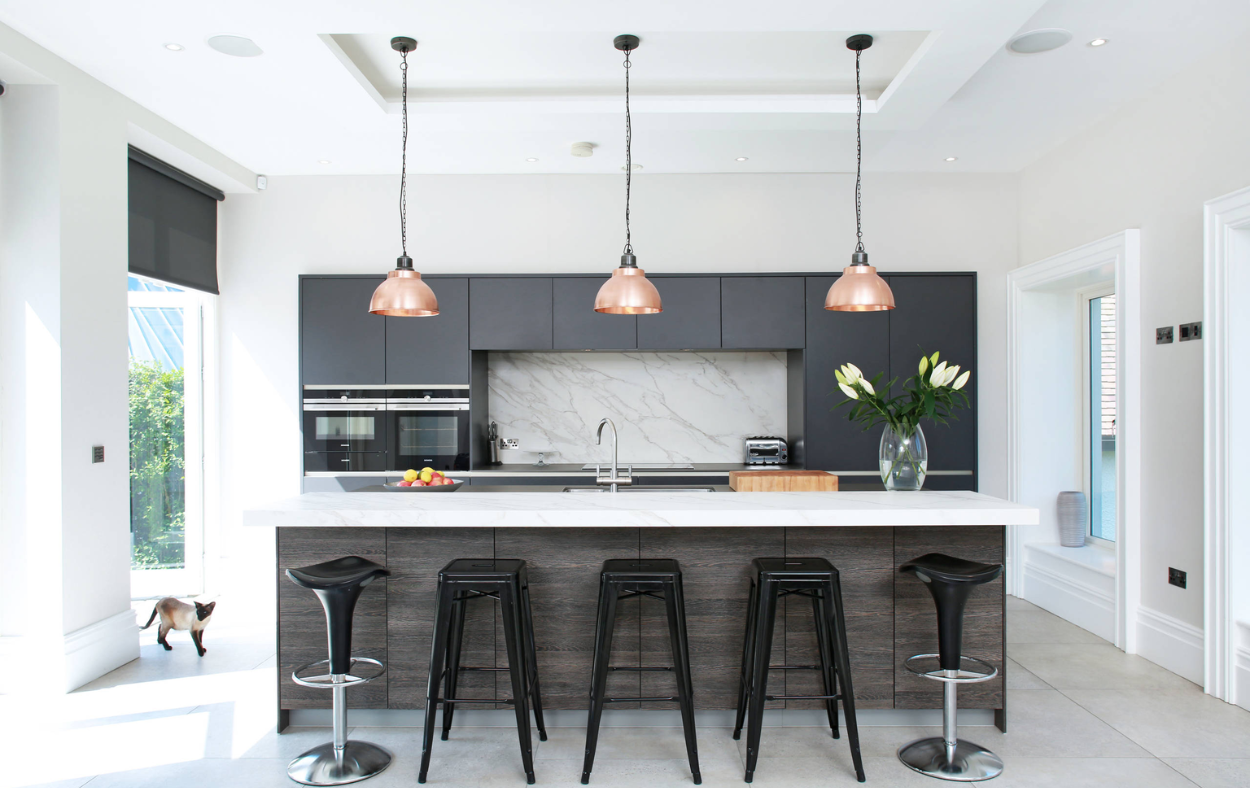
(565, 538)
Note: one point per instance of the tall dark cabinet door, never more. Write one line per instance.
(691, 316)
(431, 351)
(834, 339)
(761, 312)
(577, 326)
(341, 343)
(510, 313)
(939, 313)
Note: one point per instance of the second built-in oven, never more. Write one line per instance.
(428, 427)
(344, 430)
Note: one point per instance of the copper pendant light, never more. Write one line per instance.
(403, 294)
(628, 292)
(859, 289)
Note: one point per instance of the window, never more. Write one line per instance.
(1100, 413)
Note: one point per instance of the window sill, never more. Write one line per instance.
(1093, 557)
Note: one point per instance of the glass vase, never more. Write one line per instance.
(904, 459)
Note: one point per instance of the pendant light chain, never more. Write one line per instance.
(403, 169)
(629, 162)
(859, 155)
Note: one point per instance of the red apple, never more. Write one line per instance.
(419, 483)
(403, 484)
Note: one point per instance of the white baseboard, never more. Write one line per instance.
(1242, 678)
(1071, 590)
(1171, 643)
(69, 661)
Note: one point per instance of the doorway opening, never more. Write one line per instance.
(1099, 365)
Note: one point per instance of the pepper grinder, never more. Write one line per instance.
(492, 437)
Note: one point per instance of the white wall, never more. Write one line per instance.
(63, 338)
(1152, 165)
(553, 223)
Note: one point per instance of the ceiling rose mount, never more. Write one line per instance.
(403, 44)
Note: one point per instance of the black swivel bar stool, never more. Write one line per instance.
(772, 579)
(947, 757)
(338, 584)
(656, 578)
(459, 582)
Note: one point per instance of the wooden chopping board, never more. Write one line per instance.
(783, 481)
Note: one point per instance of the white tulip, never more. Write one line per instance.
(951, 374)
(924, 365)
(939, 374)
(848, 391)
(962, 380)
(854, 370)
(866, 385)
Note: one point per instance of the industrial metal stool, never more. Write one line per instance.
(947, 757)
(660, 579)
(338, 584)
(459, 582)
(772, 579)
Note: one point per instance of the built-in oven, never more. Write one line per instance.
(344, 430)
(428, 427)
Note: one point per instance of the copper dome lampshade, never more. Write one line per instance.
(403, 294)
(859, 289)
(628, 292)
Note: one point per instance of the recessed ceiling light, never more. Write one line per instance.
(636, 167)
(323, 161)
(172, 47)
(741, 158)
(952, 158)
(236, 46)
(1097, 42)
(1036, 41)
(531, 158)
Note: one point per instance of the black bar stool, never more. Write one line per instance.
(772, 579)
(338, 584)
(660, 579)
(947, 757)
(459, 582)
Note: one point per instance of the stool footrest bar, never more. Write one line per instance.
(960, 676)
(802, 697)
(474, 700)
(640, 700)
(626, 667)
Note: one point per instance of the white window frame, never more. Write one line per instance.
(1084, 296)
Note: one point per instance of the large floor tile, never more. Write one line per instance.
(1073, 666)
(1020, 678)
(640, 744)
(1039, 626)
(1213, 772)
(211, 773)
(816, 743)
(1087, 773)
(1173, 724)
(774, 772)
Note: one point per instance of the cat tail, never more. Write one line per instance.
(150, 620)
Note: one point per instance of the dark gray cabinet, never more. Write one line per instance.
(834, 339)
(761, 312)
(431, 351)
(577, 326)
(340, 342)
(939, 312)
(510, 313)
(691, 316)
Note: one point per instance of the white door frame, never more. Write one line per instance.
(1122, 253)
(1223, 219)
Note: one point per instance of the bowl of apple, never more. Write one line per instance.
(424, 480)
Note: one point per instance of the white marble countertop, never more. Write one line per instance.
(633, 510)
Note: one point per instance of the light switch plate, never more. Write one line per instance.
(97, 454)
(1191, 331)
(1177, 578)
(1163, 336)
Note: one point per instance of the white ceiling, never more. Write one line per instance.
(493, 83)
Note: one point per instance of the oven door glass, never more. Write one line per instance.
(435, 438)
(344, 430)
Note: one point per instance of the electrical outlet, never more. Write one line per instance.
(1176, 577)
(1191, 331)
(509, 443)
(1163, 336)
(97, 454)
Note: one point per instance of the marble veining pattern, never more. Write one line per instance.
(667, 407)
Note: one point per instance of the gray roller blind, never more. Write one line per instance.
(173, 225)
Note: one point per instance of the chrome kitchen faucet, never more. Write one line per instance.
(614, 479)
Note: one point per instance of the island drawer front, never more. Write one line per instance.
(302, 636)
(915, 617)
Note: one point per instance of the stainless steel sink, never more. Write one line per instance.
(653, 489)
(646, 466)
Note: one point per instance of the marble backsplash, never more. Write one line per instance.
(668, 407)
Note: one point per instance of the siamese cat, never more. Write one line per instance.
(180, 615)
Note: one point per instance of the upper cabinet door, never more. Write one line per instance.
(834, 339)
(432, 351)
(691, 316)
(761, 312)
(577, 326)
(341, 343)
(939, 313)
(510, 313)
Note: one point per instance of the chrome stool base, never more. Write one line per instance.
(969, 762)
(358, 760)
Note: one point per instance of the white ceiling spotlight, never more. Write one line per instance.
(531, 158)
(323, 161)
(1097, 42)
(1037, 41)
(952, 158)
(741, 158)
(583, 150)
(235, 46)
(172, 47)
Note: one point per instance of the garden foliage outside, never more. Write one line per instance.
(157, 467)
